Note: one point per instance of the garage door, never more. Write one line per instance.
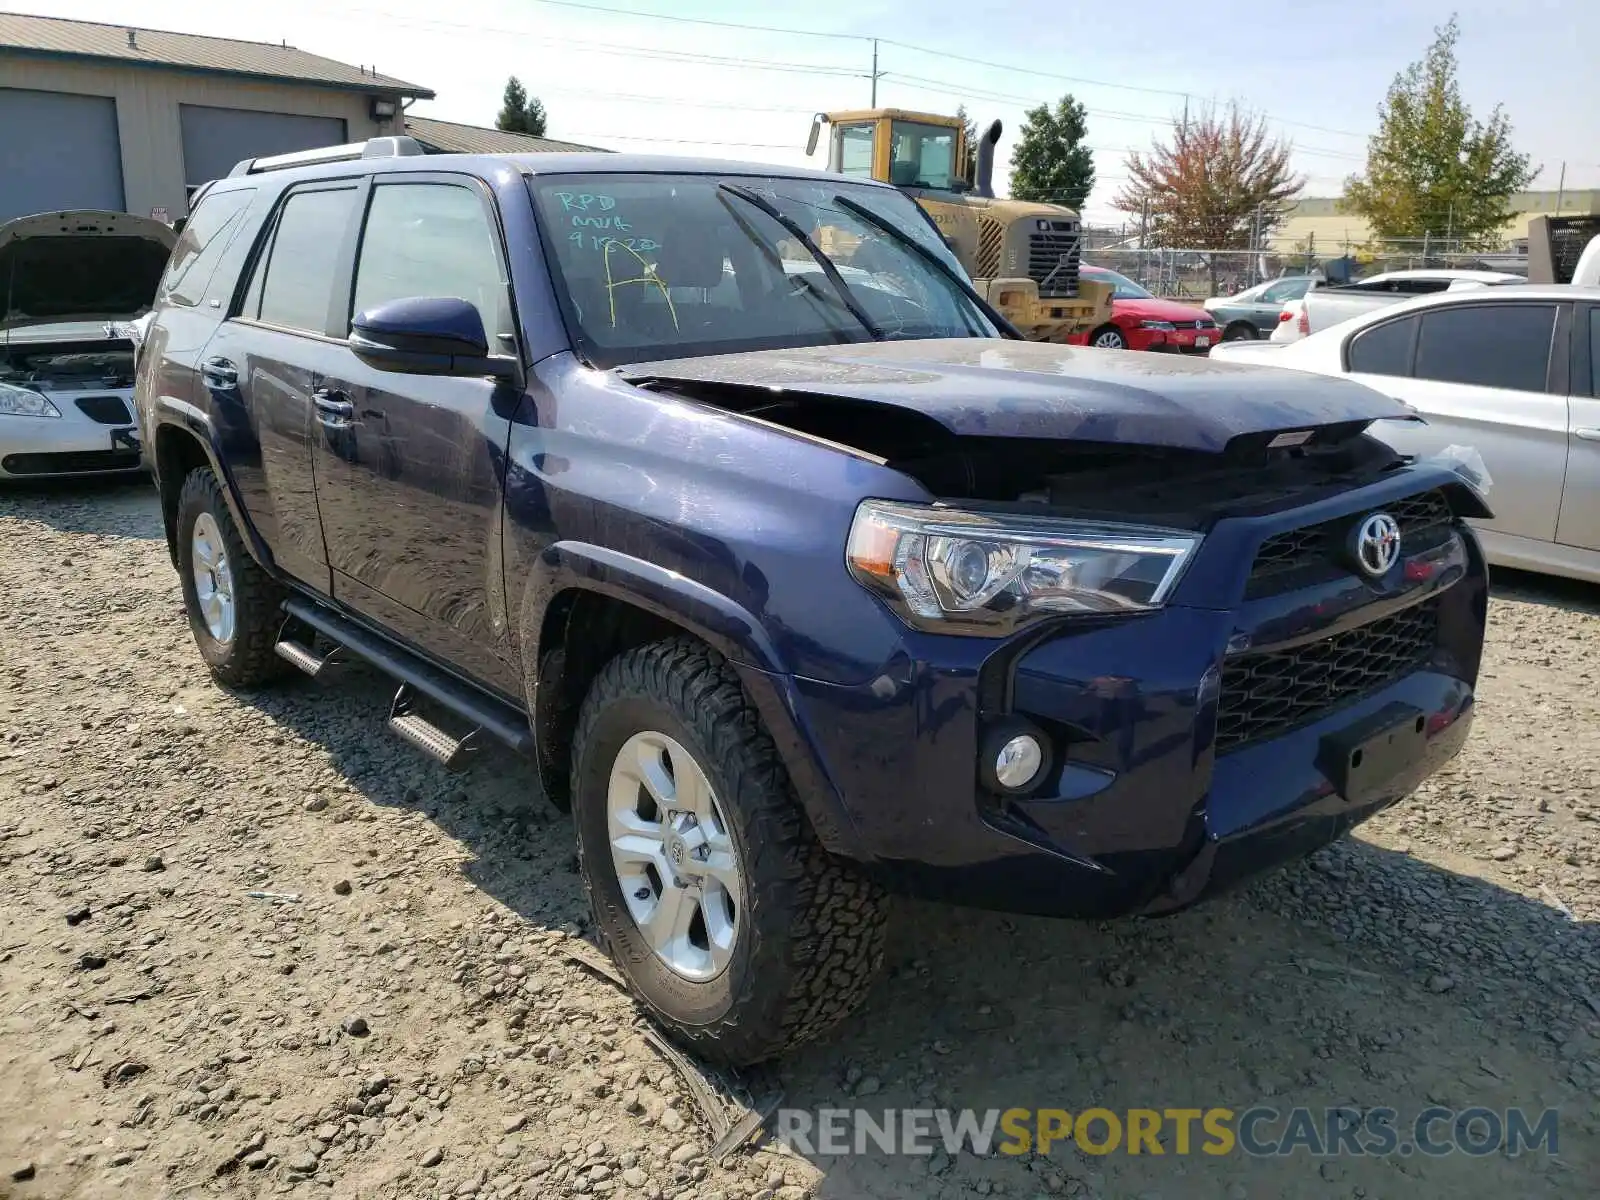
(214, 139)
(58, 150)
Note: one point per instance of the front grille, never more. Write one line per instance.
(1053, 261)
(1300, 557)
(108, 410)
(991, 240)
(1264, 695)
(71, 463)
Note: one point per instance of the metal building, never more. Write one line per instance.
(130, 119)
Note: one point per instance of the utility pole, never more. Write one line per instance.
(1561, 189)
(874, 103)
(1255, 248)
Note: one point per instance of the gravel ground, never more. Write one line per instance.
(250, 944)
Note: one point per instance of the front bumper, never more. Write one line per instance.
(73, 443)
(1141, 813)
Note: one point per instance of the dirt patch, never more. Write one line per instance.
(251, 945)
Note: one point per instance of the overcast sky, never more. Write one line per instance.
(1316, 68)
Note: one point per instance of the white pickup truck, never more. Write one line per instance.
(1325, 306)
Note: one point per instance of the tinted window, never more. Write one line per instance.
(1488, 345)
(1384, 349)
(205, 237)
(428, 239)
(298, 283)
(1594, 351)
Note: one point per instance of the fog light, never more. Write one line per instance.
(1019, 760)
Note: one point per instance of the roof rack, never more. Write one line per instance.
(378, 147)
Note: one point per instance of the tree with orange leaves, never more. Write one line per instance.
(1220, 181)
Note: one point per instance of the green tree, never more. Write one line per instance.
(1050, 163)
(1220, 180)
(968, 165)
(1433, 168)
(519, 112)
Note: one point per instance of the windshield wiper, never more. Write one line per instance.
(792, 227)
(884, 225)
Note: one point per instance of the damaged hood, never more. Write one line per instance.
(980, 387)
(80, 266)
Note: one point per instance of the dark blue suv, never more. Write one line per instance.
(718, 491)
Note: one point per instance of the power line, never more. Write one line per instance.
(640, 137)
(630, 12)
(948, 88)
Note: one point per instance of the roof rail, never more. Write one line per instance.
(378, 147)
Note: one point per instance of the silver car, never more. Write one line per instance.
(72, 286)
(1512, 372)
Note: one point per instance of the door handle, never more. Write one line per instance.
(220, 374)
(1588, 434)
(333, 406)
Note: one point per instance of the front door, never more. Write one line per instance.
(409, 468)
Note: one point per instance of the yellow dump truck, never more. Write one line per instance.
(1023, 257)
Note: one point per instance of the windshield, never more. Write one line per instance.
(1123, 287)
(672, 266)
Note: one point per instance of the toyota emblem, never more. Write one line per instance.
(1377, 544)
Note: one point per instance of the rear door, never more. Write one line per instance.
(1485, 376)
(261, 367)
(1579, 524)
(410, 467)
(1268, 307)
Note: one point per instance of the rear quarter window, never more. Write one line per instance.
(1384, 349)
(210, 231)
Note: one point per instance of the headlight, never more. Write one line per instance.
(983, 573)
(24, 402)
(1165, 326)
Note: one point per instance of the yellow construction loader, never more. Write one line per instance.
(1023, 257)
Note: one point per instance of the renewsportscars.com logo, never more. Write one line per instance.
(1258, 1131)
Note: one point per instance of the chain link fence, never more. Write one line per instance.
(1195, 273)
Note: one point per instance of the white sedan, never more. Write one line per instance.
(75, 285)
(1512, 372)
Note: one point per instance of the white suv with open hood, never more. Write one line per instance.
(71, 286)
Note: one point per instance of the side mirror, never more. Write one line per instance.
(816, 132)
(427, 335)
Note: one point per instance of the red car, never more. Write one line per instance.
(1140, 321)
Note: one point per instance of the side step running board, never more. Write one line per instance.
(411, 726)
(480, 710)
(302, 656)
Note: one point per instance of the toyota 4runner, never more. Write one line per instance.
(795, 574)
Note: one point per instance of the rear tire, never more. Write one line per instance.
(233, 604)
(1240, 331)
(787, 939)
(1108, 337)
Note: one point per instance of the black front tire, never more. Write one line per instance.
(810, 926)
(246, 659)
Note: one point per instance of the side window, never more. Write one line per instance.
(855, 150)
(1420, 287)
(294, 280)
(1282, 293)
(208, 233)
(1384, 349)
(1594, 352)
(431, 239)
(1488, 345)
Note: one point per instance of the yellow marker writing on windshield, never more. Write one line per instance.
(649, 276)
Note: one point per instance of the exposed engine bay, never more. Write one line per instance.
(1178, 488)
(68, 366)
